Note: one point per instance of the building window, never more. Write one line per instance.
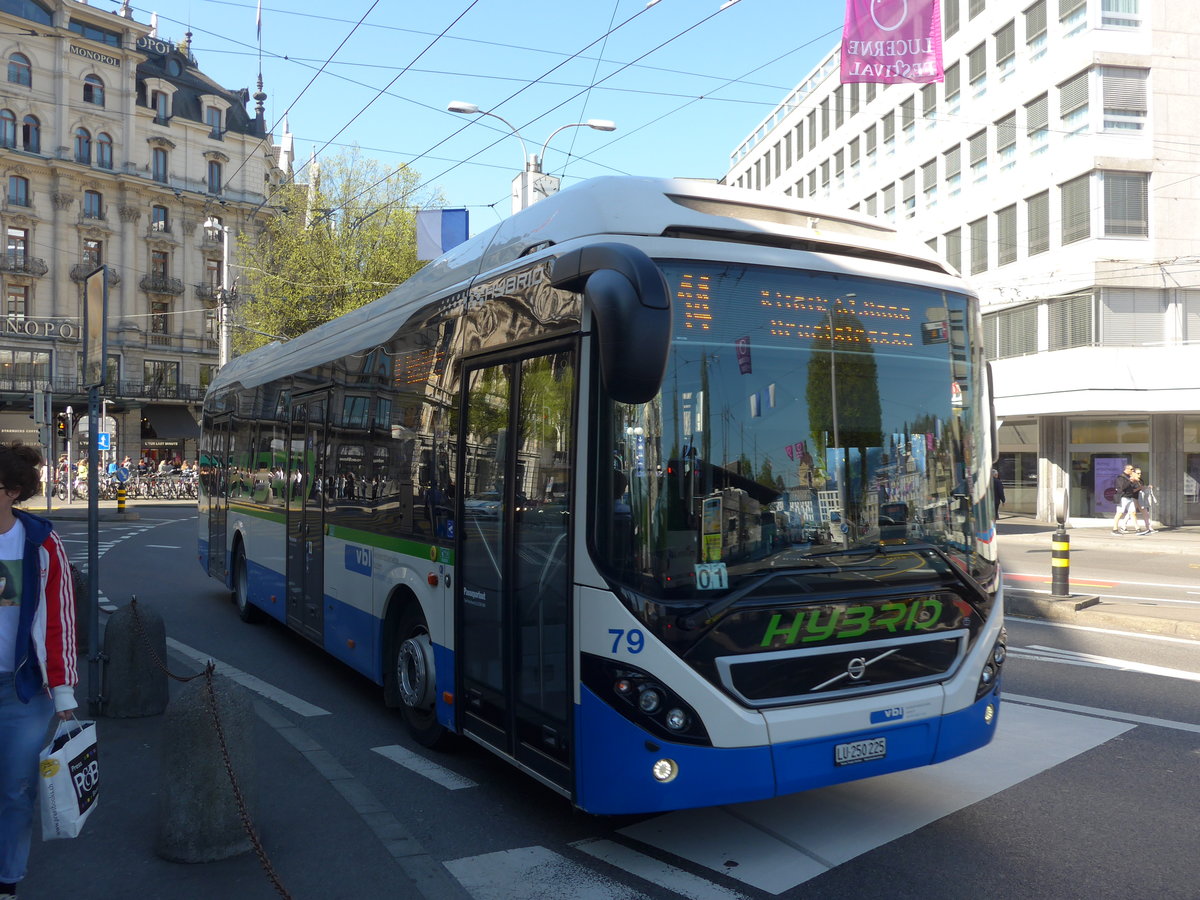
(977, 69)
(1073, 102)
(18, 190)
(104, 150)
(93, 253)
(974, 8)
(160, 102)
(854, 101)
(1113, 14)
(83, 146)
(1006, 235)
(1006, 48)
(979, 245)
(908, 117)
(825, 118)
(889, 202)
(93, 32)
(871, 204)
(17, 301)
(1037, 223)
(93, 90)
(159, 219)
(1124, 98)
(19, 70)
(1076, 214)
(160, 316)
(214, 177)
(951, 79)
(1069, 11)
(93, 205)
(787, 148)
(1132, 317)
(812, 129)
(977, 150)
(1035, 30)
(870, 136)
(929, 105)
(1037, 122)
(839, 167)
(1071, 321)
(825, 177)
(889, 133)
(160, 263)
(8, 128)
(870, 93)
(31, 134)
(950, 19)
(160, 374)
(839, 106)
(207, 373)
(854, 155)
(1006, 140)
(158, 164)
(212, 272)
(954, 248)
(1126, 212)
(908, 194)
(799, 140)
(953, 169)
(929, 182)
(18, 246)
(1016, 331)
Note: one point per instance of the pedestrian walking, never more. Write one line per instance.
(1125, 494)
(1142, 501)
(37, 653)
(997, 490)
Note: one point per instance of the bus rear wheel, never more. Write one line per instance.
(247, 611)
(413, 676)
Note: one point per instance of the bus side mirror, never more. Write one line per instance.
(631, 307)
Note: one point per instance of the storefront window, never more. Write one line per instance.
(1018, 464)
(1191, 469)
(1100, 450)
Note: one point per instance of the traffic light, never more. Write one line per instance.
(62, 425)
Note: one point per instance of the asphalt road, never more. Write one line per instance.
(1089, 790)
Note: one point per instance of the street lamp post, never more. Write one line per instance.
(532, 183)
(214, 227)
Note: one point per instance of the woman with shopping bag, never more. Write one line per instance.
(37, 652)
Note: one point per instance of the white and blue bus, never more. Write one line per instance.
(669, 493)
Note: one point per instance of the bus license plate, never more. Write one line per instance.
(859, 751)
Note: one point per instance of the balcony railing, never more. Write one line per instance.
(161, 284)
(21, 264)
(69, 389)
(208, 294)
(80, 272)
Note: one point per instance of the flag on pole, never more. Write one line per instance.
(892, 41)
(439, 230)
(258, 21)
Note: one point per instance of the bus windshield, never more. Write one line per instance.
(807, 421)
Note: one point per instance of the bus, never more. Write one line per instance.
(669, 493)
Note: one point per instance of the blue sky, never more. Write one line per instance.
(684, 80)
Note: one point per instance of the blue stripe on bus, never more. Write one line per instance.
(264, 583)
(352, 635)
(443, 661)
(613, 759)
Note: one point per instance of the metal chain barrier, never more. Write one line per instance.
(238, 796)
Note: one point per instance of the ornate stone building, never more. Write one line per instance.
(116, 149)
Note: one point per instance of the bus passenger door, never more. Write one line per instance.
(513, 596)
(306, 487)
(217, 475)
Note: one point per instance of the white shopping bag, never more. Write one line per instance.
(70, 779)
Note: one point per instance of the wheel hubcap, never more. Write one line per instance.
(414, 665)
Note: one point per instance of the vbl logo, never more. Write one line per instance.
(887, 715)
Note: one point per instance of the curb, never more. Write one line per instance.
(1082, 609)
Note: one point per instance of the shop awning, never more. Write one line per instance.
(172, 423)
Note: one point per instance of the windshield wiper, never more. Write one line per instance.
(696, 619)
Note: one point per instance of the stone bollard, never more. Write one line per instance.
(136, 683)
(198, 818)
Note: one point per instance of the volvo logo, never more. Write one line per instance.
(856, 668)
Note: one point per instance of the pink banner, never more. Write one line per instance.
(892, 41)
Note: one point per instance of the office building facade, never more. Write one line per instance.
(1054, 166)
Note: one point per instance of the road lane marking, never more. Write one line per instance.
(418, 764)
(1106, 631)
(685, 884)
(534, 872)
(1104, 713)
(164, 546)
(250, 682)
(775, 845)
(1051, 654)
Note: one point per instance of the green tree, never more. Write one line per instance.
(339, 242)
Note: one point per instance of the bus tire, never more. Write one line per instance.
(247, 611)
(412, 678)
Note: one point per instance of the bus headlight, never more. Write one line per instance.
(649, 700)
(664, 770)
(990, 674)
(677, 719)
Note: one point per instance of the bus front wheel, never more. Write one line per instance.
(247, 611)
(413, 678)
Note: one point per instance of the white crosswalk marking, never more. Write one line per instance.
(685, 884)
(534, 872)
(414, 762)
(775, 845)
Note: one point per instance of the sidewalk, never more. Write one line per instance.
(1022, 538)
